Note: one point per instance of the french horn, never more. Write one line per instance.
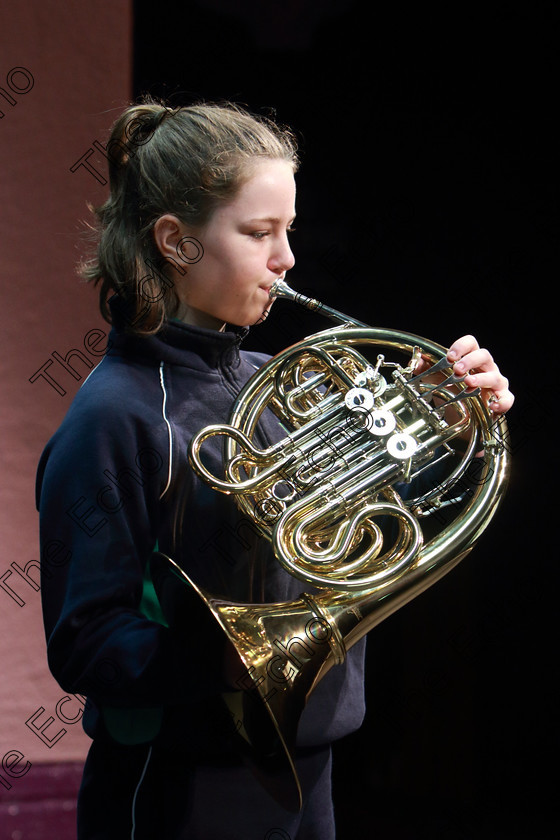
(389, 471)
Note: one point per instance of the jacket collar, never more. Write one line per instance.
(176, 342)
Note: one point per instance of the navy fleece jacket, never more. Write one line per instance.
(113, 484)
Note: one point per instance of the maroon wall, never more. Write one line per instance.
(65, 71)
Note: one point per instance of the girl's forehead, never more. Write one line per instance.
(270, 182)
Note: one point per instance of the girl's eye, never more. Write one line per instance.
(260, 234)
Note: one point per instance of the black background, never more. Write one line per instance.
(427, 201)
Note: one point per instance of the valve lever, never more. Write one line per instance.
(461, 396)
(441, 365)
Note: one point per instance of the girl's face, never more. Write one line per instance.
(245, 250)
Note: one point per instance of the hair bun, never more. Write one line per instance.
(142, 122)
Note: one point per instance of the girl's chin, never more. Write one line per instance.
(262, 317)
(252, 316)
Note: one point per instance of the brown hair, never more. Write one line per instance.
(183, 161)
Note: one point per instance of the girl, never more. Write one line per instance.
(191, 239)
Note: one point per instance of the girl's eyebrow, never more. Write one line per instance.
(273, 220)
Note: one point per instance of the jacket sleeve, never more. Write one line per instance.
(98, 489)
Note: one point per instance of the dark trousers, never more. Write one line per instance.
(145, 793)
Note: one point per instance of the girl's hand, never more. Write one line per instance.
(483, 373)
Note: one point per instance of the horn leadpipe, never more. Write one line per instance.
(281, 289)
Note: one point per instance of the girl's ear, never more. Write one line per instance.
(168, 231)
